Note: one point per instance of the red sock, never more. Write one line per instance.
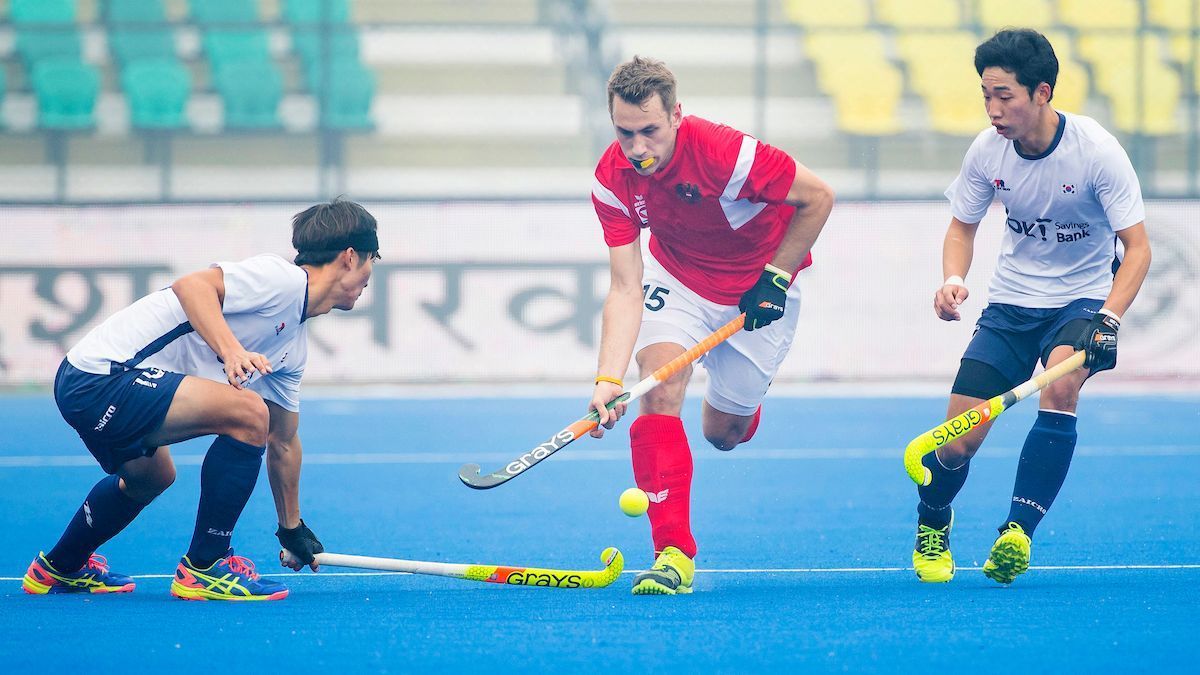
(662, 466)
(753, 425)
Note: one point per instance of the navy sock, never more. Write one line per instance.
(1043, 467)
(105, 512)
(227, 478)
(934, 507)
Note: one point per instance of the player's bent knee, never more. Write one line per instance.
(724, 442)
(251, 420)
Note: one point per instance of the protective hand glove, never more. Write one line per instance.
(1099, 341)
(765, 300)
(300, 542)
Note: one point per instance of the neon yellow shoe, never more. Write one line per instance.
(671, 574)
(1010, 555)
(931, 556)
(230, 578)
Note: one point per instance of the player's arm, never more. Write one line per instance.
(202, 294)
(1132, 271)
(284, 456)
(958, 249)
(622, 318)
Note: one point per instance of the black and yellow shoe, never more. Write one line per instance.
(671, 574)
(1010, 555)
(931, 556)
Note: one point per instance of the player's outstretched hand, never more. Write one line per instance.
(601, 395)
(240, 366)
(300, 547)
(1099, 342)
(947, 299)
(765, 300)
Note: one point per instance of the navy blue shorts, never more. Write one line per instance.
(114, 413)
(1013, 339)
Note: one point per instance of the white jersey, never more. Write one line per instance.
(266, 298)
(1063, 209)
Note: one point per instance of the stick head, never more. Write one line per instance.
(469, 473)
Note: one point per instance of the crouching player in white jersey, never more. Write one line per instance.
(221, 351)
(1069, 192)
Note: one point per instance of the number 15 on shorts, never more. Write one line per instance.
(656, 297)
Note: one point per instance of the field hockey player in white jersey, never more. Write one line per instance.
(1070, 193)
(219, 352)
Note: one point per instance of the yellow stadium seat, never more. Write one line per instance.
(994, 15)
(933, 57)
(1061, 42)
(833, 51)
(867, 99)
(1182, 47)
(828, 13)
(1142, 102)
(1171, 13)
(957, 112)
(1071, 89)
(1090, 14)
(924, 14)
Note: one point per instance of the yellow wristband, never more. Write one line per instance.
(613, 380)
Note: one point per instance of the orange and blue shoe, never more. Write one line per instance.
(94, 577)
(230, 578)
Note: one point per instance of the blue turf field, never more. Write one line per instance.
(805, 534)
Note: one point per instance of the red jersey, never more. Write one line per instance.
(715, 212)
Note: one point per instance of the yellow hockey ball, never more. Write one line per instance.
(634, 502)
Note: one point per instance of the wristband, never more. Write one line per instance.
(1109, 312)
(778, 272)
(611, 380)
(954, 280)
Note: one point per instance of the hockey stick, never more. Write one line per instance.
(613, 561)
(984, 412)
(469, 474)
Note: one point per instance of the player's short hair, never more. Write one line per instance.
(322, 231)
(639, 79)
(1023, 52)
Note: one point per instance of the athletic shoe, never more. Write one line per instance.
(753, 425)
(229, 578)
(1010, 555)
(931, 556)
(671, 573)
(41, 578)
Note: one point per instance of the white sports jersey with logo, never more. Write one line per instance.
(265, 301)
(1063, 209)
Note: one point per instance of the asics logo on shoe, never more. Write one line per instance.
(658, 497)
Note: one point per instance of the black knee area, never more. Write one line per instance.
(979, 380)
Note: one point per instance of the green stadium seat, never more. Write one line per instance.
(351, 90)
(135, 44)
(42, 11)
(342, 47)
(66, 92)
(135, 11)
(316, 11)
(37, 44)
(224, 47)
(827, 13)
(157, 91)
(923, 14)
(3, 90)
(224, 11)
(1093, 14)
(1036, 14)
(251, 92)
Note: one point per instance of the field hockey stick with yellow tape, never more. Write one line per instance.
(613, 561)
(987, 411)
(470, 475)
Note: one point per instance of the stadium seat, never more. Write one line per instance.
(1174, 14)
(342, 47)
(42, 11)
(1071, 89)
(315, 11)
(157, 91)
(993, 16)
(224, 11)
(251, 92)
(348, 101)
(3, 90)
(941, 69)
(1144, 101)
(924, 14)
(37, 44)
(134, 44)
(135, 11)
(224, 47)
(1094, 14)
(827, 13)
(833, 51)
(866, 99)
(66, 92)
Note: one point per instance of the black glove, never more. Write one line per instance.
(300, 541)
(1099, 341)
(764, 302)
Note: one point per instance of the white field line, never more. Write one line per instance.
(749, 571)
(352, 458)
